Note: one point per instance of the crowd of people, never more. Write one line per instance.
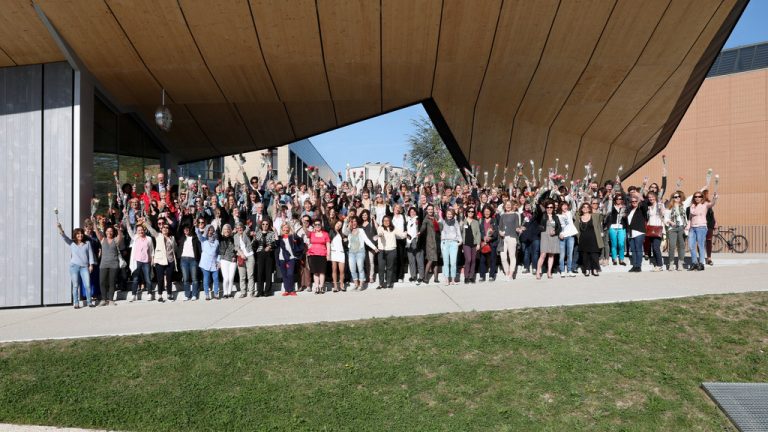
(240, 238)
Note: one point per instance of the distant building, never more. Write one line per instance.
(377, 172)
(293, 158)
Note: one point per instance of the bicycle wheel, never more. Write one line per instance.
(717, 244)
(739, 244)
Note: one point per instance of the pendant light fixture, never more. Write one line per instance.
(163, 117)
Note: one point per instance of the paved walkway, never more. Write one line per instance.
(731, 274)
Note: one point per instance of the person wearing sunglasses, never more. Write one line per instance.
(675, 219)
(655, 228)
(697, 229)
(549, 227)
(617, 227)
(637, 219)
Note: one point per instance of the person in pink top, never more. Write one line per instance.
(697, 229)
(318, 254)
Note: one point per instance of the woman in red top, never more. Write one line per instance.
(318, 255)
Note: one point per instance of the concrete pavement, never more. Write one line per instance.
(731, 274)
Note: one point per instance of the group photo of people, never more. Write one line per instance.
(243, 236)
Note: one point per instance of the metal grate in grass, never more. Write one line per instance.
(745, 404)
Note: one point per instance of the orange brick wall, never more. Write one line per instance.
(726, 129)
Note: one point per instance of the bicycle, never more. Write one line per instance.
(737, 243)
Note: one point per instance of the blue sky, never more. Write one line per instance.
(385, 138)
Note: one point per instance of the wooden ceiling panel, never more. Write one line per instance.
(310, 117)
(520, 38)
(613, 59)
(5, 60)
(645, 150)
(290, 40)
(409, 31)
(112, 60)
(676, 33)
(617, 157)
(23, 37)
(657, 111)
(267, 123)
(158, 31)
(565, 58)
(351, 36)
(226, 36)
(466, 37)
(223, 126)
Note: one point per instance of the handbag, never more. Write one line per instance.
(485, 248)
(653, 231)
(240, 261)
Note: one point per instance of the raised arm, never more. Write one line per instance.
(64, 236)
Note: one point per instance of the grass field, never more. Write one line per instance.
(633, 366)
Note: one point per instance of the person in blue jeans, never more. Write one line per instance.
(450, 238)
(617, 231)
(697, 229)
(209, 259)
(567, 241)
(189, 251)
(637, 218)
(81, 265)
(529, 236)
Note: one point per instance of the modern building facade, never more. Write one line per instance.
(600, 80)
(289, 163)
(726, 129)
(379, 173)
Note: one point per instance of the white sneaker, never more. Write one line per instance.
(133, 298)
(562, 275)
(572, 274)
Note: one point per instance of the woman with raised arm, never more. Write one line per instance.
(165, 262)
(655, 228)
(676, 220)
(189, 251)
(413, 247)
(80, 265)
(141, 259)
(110, 261)
(369, 226)
(697, 229)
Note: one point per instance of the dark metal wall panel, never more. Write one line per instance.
(57, 179)
(21, 135)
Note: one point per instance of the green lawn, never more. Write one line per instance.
(634, 366)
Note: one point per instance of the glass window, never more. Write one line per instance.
(104, 165)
